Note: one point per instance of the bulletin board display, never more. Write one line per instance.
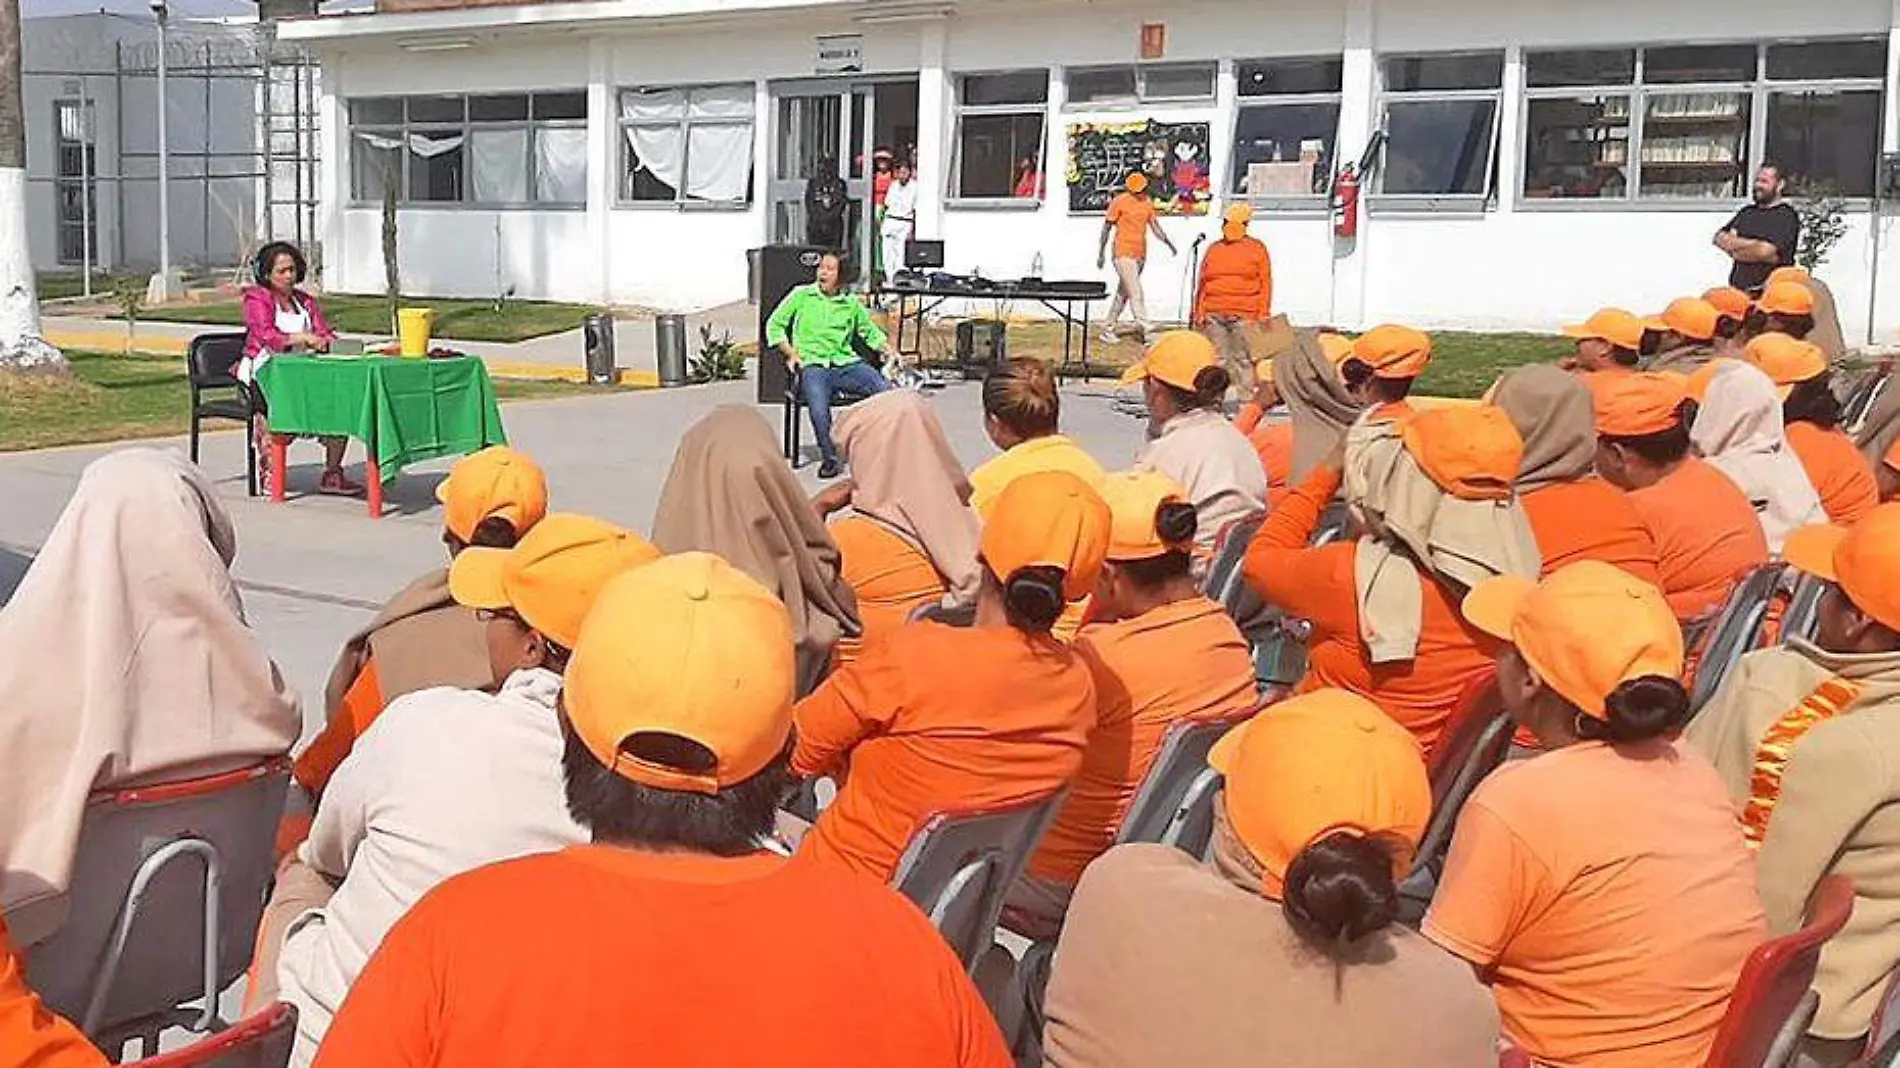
(1174, 156)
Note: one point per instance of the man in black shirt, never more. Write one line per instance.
(827, 201)
(1761, 236)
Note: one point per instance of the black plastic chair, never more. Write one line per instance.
(1804, 608)
(211, 362)
(959, 867)
(1736, 632)
(1475, 742)
(795, 399)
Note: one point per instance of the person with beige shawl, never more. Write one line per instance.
(1318, 402)
(1738, 429)
(159, 677)
(910, 541)
(731, 494)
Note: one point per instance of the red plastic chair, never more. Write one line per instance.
(1773, 1003)
(260, 1041)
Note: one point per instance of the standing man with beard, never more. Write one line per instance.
(1761, 236)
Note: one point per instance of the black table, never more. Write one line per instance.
(1061, 298)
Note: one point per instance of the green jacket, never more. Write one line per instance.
(822, 327)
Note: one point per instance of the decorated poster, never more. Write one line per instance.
(1174, 156)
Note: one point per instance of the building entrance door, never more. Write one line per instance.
(843, 126)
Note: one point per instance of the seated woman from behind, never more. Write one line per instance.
(910, 540)
(1811, 416)
(1161, 653)
(1431, 495)
(939, 718)
(1022, 413)
(1288, 941)
(1602, 888)
(1738, 429)
(159, 676)
(1191, 441)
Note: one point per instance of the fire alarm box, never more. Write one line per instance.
(1154, 40)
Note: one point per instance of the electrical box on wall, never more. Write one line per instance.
(1890, 176)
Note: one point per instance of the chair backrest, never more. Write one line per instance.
(259, 1041)
(168, 886)
(1861, 400)
(959, 867)
(212, 359)
(1230, 549)
(1174, 805)
(1735, 632)
(1332, 523)
(1804, 608)
(1474, 743)
(1774, 986)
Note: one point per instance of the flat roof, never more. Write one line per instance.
(372, 25)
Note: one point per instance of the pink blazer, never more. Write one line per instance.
(260, 321)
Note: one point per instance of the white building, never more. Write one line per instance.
(1542, 157)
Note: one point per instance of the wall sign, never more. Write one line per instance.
(1154, 40)
(840, 54)
(1174, 156)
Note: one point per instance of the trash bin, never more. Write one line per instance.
(669, 341)
(598, 333)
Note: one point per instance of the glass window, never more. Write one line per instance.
(1284, 150)
(435, 166)
(1577, 147)
(495, 149)
(1826, 143)
(497, 109)
(1695, 145)
(1103, 85)
(561, 106)
(1818, 60)
(375, 156)
(1439, 147)
(1282, 77)
(1016, 87)
(498, 165)
(999, 143)
(560, 164)
(1615, 66)
(436, 109)
(1188, 81)
(1476, 70)
(1699, 63)
(684, 144)
(375, 110)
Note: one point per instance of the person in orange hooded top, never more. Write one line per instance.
(1385, 362)
(1161, 653)
(940, 718)
(1707, 535)
(30, 1036)
(1602, 888)
(1235, 294)
(1575, 515)
(1432, 498)
(1812, 414)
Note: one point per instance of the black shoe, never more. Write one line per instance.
(830, 469)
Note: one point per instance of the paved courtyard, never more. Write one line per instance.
(316, 568)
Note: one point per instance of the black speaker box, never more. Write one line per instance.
(980, 346)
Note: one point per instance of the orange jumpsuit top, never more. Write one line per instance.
(1589, 519)
(1707, 535)
(1316, 584)
(937, 718)
(891, 577)
(1841, 475)
(30, 1036)
(1236, 280)
(1182, 661)
(360, 706)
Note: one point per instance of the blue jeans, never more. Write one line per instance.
(823, 383)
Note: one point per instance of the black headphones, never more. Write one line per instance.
(261, 263)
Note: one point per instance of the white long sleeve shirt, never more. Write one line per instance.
(444, 781)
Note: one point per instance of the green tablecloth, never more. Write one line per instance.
(404, 410)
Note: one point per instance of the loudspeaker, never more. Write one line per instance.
(980, 346)
(782, 268)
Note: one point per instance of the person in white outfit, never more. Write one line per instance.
(900, 218)
(445, 780)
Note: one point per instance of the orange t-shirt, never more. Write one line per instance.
(610, 956)
(1707, 535)
(360, 706)
(1589, 519)
(1182, 661)
(1891, 461)
(1390, 412)
(30, 1036)
(1316, 584)
(1610, 900)
(1841, 475)
(1274, 443)
(1130, 215)
(891, 577)
(937, 718)
(1236, 280)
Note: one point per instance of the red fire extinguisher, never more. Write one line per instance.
(1346, 203)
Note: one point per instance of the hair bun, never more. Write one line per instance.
(1033, 598)
(1176, 522)
(1645, 707)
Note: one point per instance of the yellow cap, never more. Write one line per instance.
(1134, 498)
(1864, 560)
(1786, 298)
(551, 577)
(1620, 328)
(1393, 351)
(1048, 519)
(1785, 360)
(1175, 359)
(1692, 317)
(495, 483)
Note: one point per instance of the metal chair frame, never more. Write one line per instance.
(1734, 634)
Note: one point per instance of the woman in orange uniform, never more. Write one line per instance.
(1432, 496)
(945, 719)
(910, 540)
(1235, 295)
(1812, 415)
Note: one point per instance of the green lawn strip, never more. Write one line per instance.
(60, 285)
(455, 320)
(113, 398)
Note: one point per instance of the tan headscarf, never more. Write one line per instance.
(421, 639)
(124, 660)
(1739, 430)
(730, 493)
(1409, 523)
(905, 476)
(1827, 322)
(1554, 414)
(1880, 424)
(1317, 400)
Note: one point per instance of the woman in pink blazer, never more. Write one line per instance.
(280, 318)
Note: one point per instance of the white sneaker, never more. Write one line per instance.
(1110, 337)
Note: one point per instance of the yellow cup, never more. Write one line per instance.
(413, 324)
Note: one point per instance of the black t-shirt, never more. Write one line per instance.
(1779, 224)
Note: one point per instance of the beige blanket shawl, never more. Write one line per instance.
(905, 475)
(1316, 400)
(1738, 429)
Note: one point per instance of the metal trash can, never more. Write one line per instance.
(669, 341)
(597, 330)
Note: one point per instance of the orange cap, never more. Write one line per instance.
(1175, 358)
(1586, 629)
(1337, 347)
(551, 577)
(1864, 560)
(1313, 765)
(686, 647)
(1614, 325)
(1692, 317)
(1637, 403)
(1393, 351)
(1786, 298)
(1729, 301)
(1470, 451)
(1048, 519)
(1137, 183)
(1240, 212)
(1797, 275)
(495, 483)
(1133, 499)
(1786, 360)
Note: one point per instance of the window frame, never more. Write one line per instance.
(953, 177)
(466, 128)
(1757, 92)
(1377, 198)
(681, 202)
(1315, 202)
(1142, 99)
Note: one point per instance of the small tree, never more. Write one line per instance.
(1823, 224)
(129, 295)
(719, 360)
(392, 275)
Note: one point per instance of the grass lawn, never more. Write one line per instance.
(455, 320)
(58, 285)
(112, 397)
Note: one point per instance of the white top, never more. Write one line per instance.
(442, 782)
(900, 206)
(1217, 466)
(294, 321)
